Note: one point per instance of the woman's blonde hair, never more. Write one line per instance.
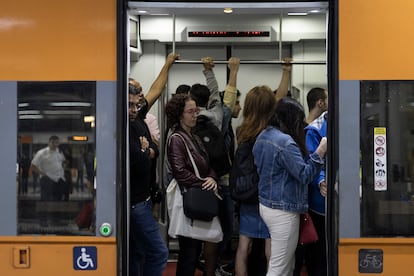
(258, 107)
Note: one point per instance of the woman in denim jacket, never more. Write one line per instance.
(285, 170)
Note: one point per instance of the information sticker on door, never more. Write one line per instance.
(380, 159)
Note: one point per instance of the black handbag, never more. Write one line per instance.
(200, 204)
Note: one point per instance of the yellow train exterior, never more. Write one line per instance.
(44, 41)
(375, 65)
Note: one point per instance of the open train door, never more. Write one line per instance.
(372, 128)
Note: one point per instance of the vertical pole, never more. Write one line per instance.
(281, 46)
(280, 36)
(173, 34)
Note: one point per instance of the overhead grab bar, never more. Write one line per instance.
(299, 62)
(303, 62)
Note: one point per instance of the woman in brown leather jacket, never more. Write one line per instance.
(181, 112)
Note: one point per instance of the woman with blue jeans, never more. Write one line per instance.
(285, 170)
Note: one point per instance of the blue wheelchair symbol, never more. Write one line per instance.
(85, 258)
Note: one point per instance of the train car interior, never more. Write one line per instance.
(261, 36)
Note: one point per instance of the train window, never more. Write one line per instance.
(387, 158)
(56, 157)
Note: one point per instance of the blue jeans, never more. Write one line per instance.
(148, 251)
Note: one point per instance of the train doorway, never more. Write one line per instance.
(166, 29)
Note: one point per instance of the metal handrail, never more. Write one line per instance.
(299, 62)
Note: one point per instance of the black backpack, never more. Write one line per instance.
(244, 179)
(213, 140)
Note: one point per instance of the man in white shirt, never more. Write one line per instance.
(48, 163)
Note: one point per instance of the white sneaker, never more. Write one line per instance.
(221, 272)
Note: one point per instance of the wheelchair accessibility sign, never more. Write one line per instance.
(85, 258)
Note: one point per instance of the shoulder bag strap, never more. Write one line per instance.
(197, 173)
(194, 165)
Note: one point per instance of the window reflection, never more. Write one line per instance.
(56, 157)
(387, 122)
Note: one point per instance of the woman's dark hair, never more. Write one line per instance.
(174, 109)
(289, 117)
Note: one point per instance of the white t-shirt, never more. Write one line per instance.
(50, 162)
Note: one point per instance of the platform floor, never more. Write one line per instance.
(171, 267)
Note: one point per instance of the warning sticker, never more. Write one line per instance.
(380, 159)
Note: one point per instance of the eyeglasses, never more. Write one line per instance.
(138, 106)
(192, 111)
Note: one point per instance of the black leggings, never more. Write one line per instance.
(189, 254)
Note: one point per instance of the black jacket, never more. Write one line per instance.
(140, 162)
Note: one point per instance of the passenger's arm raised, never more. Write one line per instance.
(211, 81)
(283, 88)
(230, 94)
(158, 85)
(214, 105)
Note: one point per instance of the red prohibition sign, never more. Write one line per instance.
(380, 140)
(380, 151)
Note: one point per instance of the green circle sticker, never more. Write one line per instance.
(105, 229)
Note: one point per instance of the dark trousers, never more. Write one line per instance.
(51, 190)
(226, 220)
(23, 183)
(79, 181)
(257, 258)
(190, 250)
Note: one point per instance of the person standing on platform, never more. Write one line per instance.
(49, 164)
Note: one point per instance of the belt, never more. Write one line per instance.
(146, 200)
